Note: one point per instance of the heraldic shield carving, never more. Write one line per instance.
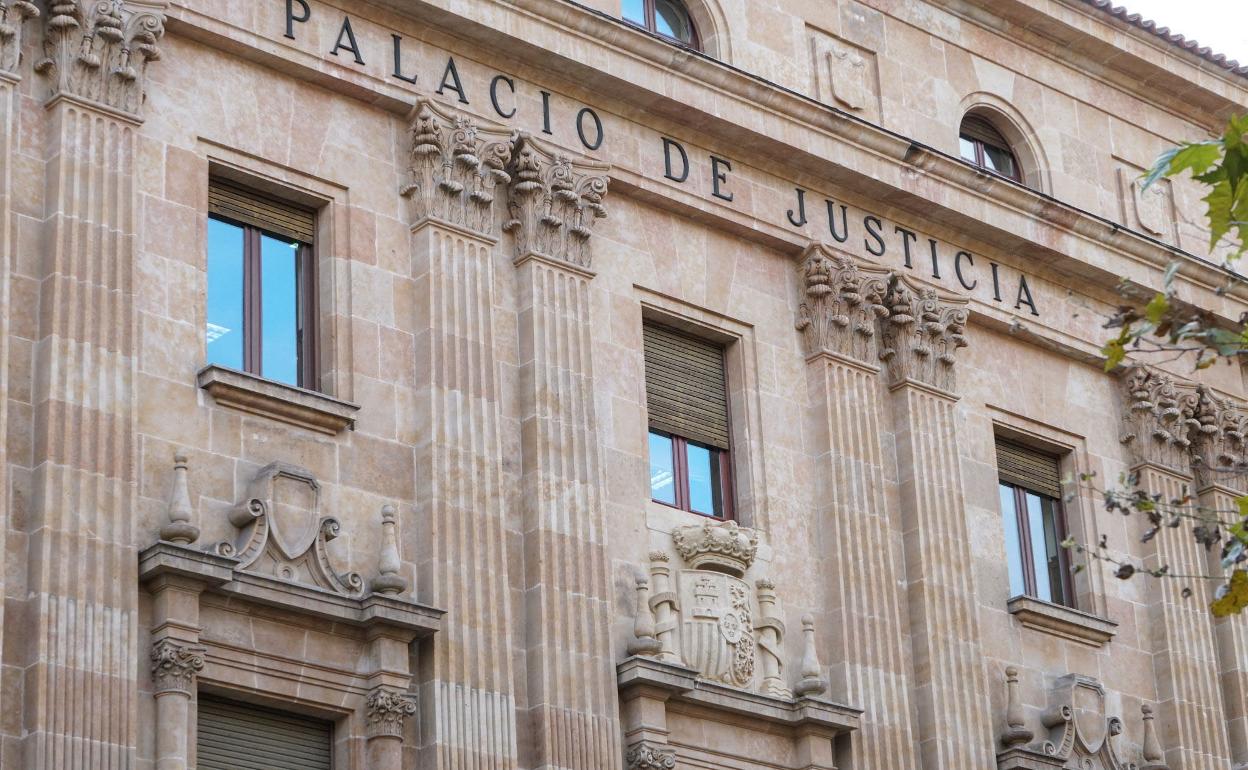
(707, 617)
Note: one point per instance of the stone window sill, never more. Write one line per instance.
(285, 403)
(1062, 622)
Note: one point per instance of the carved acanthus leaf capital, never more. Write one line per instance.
(13, 14)
(647, 756)
(920, 336)
(99, 50)
(1219, 440)
(175, 666)
(555, 203)
(841, 303)
(455, 168)
(385, 710)
(1159, 419)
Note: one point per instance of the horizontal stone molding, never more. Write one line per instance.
(284, 403)
(1063, 622)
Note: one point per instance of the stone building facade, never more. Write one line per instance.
(613, 385)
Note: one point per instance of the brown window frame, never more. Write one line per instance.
(1030, 580)
(980, 144)
(680, 476)
(652, 25)
(306, 303)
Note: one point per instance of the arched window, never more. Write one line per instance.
(982, 144)
(666, 18)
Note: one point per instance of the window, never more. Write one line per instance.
(984, 146)
(686, 396)
(666, 18)
(261, 308)
(1031, 510)
(233, 735)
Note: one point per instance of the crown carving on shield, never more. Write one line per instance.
(725, 546)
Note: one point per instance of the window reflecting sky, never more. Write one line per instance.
(224, 330)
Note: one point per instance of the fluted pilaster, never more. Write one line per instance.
(469, 703)
(82, 560)
(1164, 430)
(919, 341)
(840, 305)
(571, 687)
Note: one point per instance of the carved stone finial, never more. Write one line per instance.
(385, 710)
(175, 666)
(455, 168)
(812, 682)
(180, 528)
(1016, 732)
(554, 203)
(921, 335)
(644, 641)
(13, 13)
(724, 546)
(770, 631)
(841, 304)
(98, 50)
(646, 756)
(389, 581)
(1154, 759)
(1159, 419)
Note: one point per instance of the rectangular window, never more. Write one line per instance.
(686, 396)
(235, 736)
(261, 290)
(1030, 493)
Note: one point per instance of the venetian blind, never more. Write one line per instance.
(1024, 466)
(239, 204)
(976, 127)
(239, 736)
(685, 386)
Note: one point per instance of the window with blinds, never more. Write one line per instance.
(1030, 491)
(247, 207)
(239, 736)
(690, 434)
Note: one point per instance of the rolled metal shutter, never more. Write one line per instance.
(685, 386)
(239, 204)
(1028, 468)
(240, 736)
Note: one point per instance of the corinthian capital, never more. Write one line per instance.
(454, 167)
(98, 50)
(12, 14)
(175, 665)
(1159, 420)
(555, 203)
(1219, 440)
(385, 710)
(645, 756)
(921, 335)
(841, 303)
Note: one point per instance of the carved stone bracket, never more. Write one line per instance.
(283, 534)
(841, 304)
(554, 203)
(646, 756)
(13, 13)
(175, 666)
(455, 168)
(99, 50)
(385, 710)
(921, 334)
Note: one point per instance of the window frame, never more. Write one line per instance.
(980, 144)
(680, 476)
(306, 302)
(1026, 547)
(651, 25)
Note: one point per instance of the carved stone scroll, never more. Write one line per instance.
(841, 304)
(456, 168)
(644, 756)
(385, 711)
(99, 50)
(554, 203)
(921, 335)
(175, 666)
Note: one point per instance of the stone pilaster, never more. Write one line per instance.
(841, 303)
(919, 340)
(1160, 423)
(82, 573)
(13, 15)
(386, 710)
(175, 665)
(454, 167)
(570, 662)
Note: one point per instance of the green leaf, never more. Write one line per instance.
(1156, 308)
(1198, 156)
(1235, 597)
(1114, 353)
(1219, 202)
(1241, 503)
